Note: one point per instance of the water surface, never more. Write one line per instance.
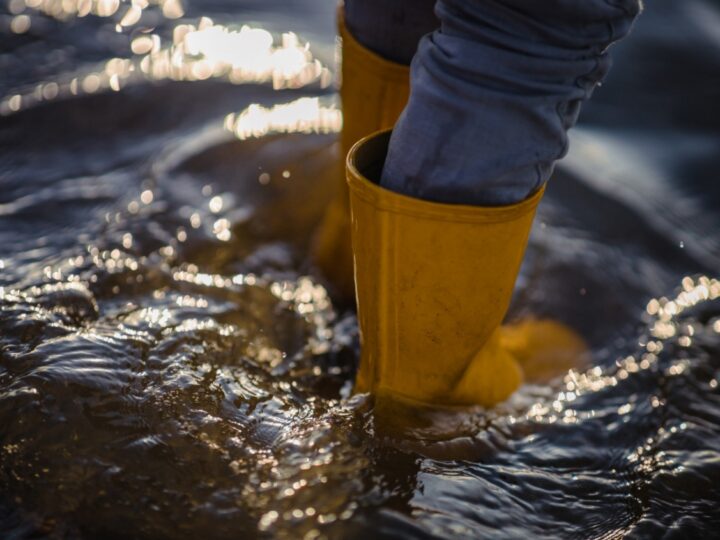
(171, 365)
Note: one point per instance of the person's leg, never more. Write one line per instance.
(379, 38)
(438, 247)
(493, 93)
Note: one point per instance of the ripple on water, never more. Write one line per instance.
(200, 405)
(144, 372)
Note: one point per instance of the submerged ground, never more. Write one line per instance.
(172, 367)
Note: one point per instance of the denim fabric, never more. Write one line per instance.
(391, 28)
(493, 93)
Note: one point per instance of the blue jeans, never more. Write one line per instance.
(494, 88)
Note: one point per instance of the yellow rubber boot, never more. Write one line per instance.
(433, 284)
(374, 92)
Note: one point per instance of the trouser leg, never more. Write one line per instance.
(494, 92)
(379, 37)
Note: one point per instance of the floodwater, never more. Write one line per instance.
(171, 366)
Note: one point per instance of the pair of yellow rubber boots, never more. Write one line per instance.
(433, 281)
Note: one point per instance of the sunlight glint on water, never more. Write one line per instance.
(197, 52)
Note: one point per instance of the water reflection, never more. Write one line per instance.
(196, 53)
(247, 55)
(664, 324)
(20, 24)
(305, 115)
(65, 9)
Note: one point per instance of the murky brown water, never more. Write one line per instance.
(171, 366)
